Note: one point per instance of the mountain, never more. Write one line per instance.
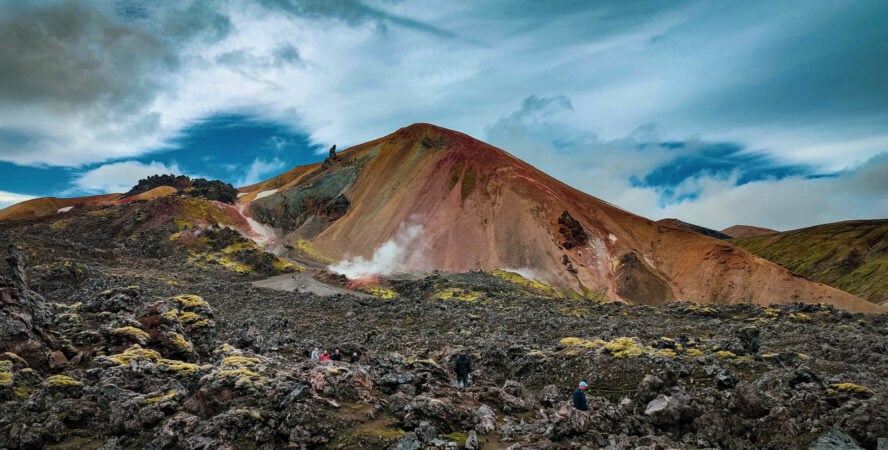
(426, 198)
(745, 231)
(852, 256)
(681, 225)
(459, 204)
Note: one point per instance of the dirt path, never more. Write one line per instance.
(303, 283)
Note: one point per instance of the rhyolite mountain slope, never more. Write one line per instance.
(467, 206)
(481, 208)
(744, 231)
(682, 225)
(851, 255)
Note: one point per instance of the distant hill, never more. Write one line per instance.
(745, 231)
(852, 256)
(681, 225)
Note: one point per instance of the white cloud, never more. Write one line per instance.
(11, 198)
(259, 170)
(120, 176)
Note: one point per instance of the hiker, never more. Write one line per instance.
(462, 367)
(354, 358)
(315, 354)
(579, 398)
(325, 356)
(337, 355)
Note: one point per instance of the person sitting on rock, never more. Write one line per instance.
(579, 398)
(315, 354)
(462, 367)
(354, 358)
(325, 356)
(337, 355)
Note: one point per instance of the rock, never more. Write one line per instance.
(671, 410)
(549, 396)
(472, 441)
(513, 395)
(724, 380)
(835, 439)
(485, 420)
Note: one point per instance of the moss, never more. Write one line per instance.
(178, 341)
(133, 353)
(252, 413)
(191, 301)
(666, 353)
(537, 354)
(168, 396)
(21, 392)
(801, 317)
(284, 266)
(6, 366)
(458, 294)
(380, 292)
(6, 379)
(224, 349)
(58, 225)
(772, 313)
(61, 381)
(725, 354)
(624, 347)
(850, 387)
(239, 361)
(200, 324)
(188, 317)
(310, 251)
(704, 310)
(459, 438)
(516, 278)
(179, 367)
(694, 352)
(133, 334)
(577, 342)
(574, 311)
(769, 355)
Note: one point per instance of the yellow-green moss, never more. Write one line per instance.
(459, 438)
(6, 379)
(6, 366)
(200, 324)
(574, 311)
(180, 367)
(772, 313)
(624, 347)
(252, 413)
(850, 387)
(21, 392)
(458, 294)
(516, 278)
(179, 341)
(61, 381)
(239, 361)
(381, 292)
(801, 317)
(666, 353)
(725, 354)
(224, 349)
(701, 309)
(577, 342)
(310, 251)
(188, 317)
(694, 352)
(191, 301)
(58, 225)
(537, 354)
(168, 396)
(282, 265)
(133, 334)
(133, 353)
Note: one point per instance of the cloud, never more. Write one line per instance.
(11, 198)
(713, 184)
(120, 176)
(259, 170)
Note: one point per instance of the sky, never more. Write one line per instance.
(764, 113)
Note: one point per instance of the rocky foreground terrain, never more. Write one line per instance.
(127, 344)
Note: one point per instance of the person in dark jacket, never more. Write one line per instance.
(462, 367)
(579, 398)
(354, 358)
(337, 355)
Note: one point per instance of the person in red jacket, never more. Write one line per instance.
(325, 356)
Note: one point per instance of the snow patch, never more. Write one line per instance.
(390, 257)
(612, 238)
(241, 194)
(264, 194)
(65, 209)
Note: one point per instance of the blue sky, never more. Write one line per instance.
(765, 113)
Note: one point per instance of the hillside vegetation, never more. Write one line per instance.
(852, 256)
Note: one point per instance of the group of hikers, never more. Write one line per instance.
(325, 356)
(462, 367)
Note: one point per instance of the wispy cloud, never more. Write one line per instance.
(260, 169)
(120, 176)
(11, 198)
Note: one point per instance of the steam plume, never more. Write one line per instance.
(390, 257)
